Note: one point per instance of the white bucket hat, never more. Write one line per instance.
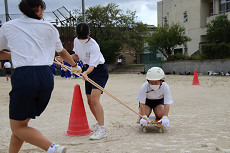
(155, 73)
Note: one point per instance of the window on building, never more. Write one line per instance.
(211, 9)
(165, 20)
(178, 51)
(224, 6)
(185, 49)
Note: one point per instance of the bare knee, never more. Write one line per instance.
(15, 136)
(159, 111)
(17, 125)
(94, 102)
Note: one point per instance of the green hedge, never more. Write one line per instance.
(215, 51)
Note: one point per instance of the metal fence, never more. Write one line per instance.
(151, 57)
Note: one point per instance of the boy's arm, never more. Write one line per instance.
(88, 71)
(3, 68)
(60, 59)
(67, 57)
(74, 57)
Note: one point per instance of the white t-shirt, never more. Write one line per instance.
(162, 92)
(31, 42)
(88, 52)
(7, 65)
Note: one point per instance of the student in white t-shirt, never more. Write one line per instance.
(32, 43)
(119, 60)
(87, 50)
(155, 95)
(7, 67)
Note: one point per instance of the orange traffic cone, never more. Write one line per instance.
(78, 124)
(195, 78)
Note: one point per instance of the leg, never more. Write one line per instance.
(99, 113)
(139, 118)
(98, 110)
(7, 77)
(159, 111)
(15, 144)
(145, 110)
(22, 132)
(91, 106)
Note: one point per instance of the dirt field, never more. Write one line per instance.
(199, 117)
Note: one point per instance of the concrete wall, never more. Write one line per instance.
(202, 66)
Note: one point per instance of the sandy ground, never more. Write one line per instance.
(199, 117)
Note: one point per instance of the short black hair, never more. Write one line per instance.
(27, 7)
(82, 31)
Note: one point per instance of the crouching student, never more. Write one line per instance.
(155, 95)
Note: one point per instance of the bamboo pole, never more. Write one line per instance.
(105, 91)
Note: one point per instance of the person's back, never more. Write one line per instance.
(31, 37)
(32, 43)
(7, 65)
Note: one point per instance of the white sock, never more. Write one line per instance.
(51, 149)
(101, 127)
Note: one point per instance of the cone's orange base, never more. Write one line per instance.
(78, 124)
(78, 133)
(196, 83)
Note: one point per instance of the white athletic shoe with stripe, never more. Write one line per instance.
(99, 134)
(94, 127)
(60, 149)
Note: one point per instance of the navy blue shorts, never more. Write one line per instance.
(153, 103)
(53, 70)
(8, 71)
(99, 75)
(31, 90)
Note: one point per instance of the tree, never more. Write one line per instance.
(136, 38)
(218, 30)
(111, 27)
(168, 37)
(218, 37)
(110, 49)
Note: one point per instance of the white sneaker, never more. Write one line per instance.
(60, 149)
(99, 134)
(94, 127)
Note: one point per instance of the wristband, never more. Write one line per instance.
(76, 64)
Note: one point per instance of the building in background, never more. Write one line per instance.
(193, 15)
(128, 54)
